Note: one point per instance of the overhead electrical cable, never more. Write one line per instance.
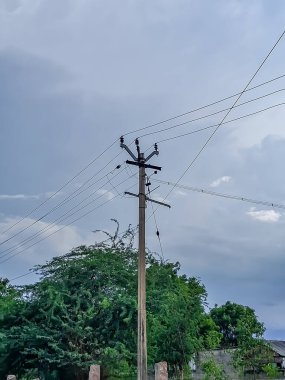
(150, 126)
(201, 191)
(226, 115)
(206, 192)
(223, 195)
(54, 232)
(65, 200)
(202, 107)
(22, 275)
(78, 192)
(61, 218)
(33, 272)
(156, 226)
(209, 115)
(62, 187)
(114, 142)
(73, 221)
(215, 125)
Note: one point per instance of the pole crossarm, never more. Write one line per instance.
(148, 199)
(143, 165)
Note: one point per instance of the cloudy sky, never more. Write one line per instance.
(75, 75)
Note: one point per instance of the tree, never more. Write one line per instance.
(241, 329)
(252, 352)
(11, 306)
(230, 318)
(84, 311)
(177, 323)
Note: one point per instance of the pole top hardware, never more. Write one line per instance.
(141, 164)
(148, 199)
(138, 148)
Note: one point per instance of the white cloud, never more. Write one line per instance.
(18, 196)
(49, 240)
(52, 194)
(109, 195)
(219, 181)
(270, 216)
(24, 197)
(159, 198)
(180, 193)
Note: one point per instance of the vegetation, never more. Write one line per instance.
(213, 370)
(236, 323)
(241, 329)
(84, 310)
(252, 353)
(271, 371)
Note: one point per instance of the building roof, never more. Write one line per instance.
(278, 346)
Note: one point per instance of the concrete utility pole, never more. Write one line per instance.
(140, 161)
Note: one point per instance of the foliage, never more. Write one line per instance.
(177, 324)
(209, 332)
(213, 370)
(253, 352)
(240, 328)
(84, 311)
(271, 370)
(251, 357)
(10, 316)
(236, 323)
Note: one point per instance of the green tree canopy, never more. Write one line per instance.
(84, 311)
(236, 323)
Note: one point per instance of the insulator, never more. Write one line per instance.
(122, 140)
(155, 147)
(137, 141)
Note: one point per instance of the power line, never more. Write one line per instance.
(114, 142)
(61, 188)
(158, 123)
(211, 114)
(215, 125)
(201, 191)
(32, 272)
(226, 115)
(228, 196)
(60, 219)
(156, 226)
(66, 200)
(75, 220)
(22, 275)
(203, 107)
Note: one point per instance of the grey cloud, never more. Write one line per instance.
(10, 5)
(77, 75)
(238, 258)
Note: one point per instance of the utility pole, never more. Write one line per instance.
(140, 161)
